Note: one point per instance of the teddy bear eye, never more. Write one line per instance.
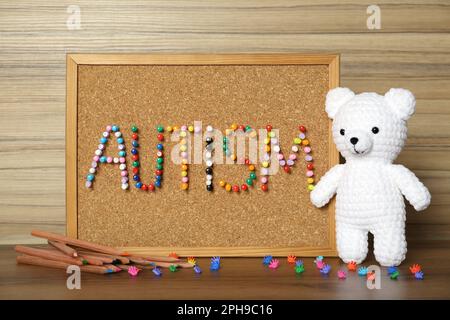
(342, 132)
(375, 130)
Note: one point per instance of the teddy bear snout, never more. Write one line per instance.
(358, 142)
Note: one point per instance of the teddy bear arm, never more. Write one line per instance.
(327, 186)
(411, 187)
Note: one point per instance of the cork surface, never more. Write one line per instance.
(284, 96)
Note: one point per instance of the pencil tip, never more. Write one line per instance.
(125, 254)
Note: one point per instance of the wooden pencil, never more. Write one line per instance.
(71, 252)
(113, 267)
(37, 261)
(161, 264)
(126, 266)
(97, 269)
(85, 260)
(77, 242)
(155, 258)
(123, 260)
(91, 261)
(47, 254)
(93, 257)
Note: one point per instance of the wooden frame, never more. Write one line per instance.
(74, 60)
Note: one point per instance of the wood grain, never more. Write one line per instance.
(411, 50)
(238, 278)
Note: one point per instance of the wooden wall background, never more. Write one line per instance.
(410, 50)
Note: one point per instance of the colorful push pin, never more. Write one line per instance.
(351, 266)
(341, 274)
(215, 260)
(197, 269)
(415, 268)
(319, 258)
(191, 260)
(325, 269)
(156, 271)
(394, 275)
(291, 259)
(133, 271)
(274, 264)
(320, 264)
(299, 269)
(391, 270)
(266, 260)
(214, 266)
(299, 263)
(419, 275)
(173, 255)
(173, 268)
(362, 271)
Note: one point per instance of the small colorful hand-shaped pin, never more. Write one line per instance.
(325, 269)
(394, 275)
(342, 274)
(274, 264)
(291, 259)
(320, 264)
(299, 268)
(415, 268)
(266, 260)
(391, 270)
(157, 272)
(351, 266)
(133, 271)
(362, 271)
(173, 255)
(173, 268)
(197, 269)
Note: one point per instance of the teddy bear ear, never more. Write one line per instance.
(336, 98)
(401, 102)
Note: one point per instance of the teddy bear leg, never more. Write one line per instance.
(390, 244)
(351, 243)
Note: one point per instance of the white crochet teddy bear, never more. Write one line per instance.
(369, 131)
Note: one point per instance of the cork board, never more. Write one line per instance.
(149, 90)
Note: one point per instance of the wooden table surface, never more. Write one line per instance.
(239, 278)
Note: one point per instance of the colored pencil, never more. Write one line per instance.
(123, 260)
(126, 266)
(91, 261)
(77, 242)
(71, 252)
(94, 257)
(155, 258)
(46, 254)
(144, 262)
(37, 261)
(113, 267)
(83, 259)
